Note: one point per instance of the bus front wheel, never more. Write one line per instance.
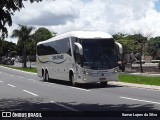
(73, 83)
(104, 84)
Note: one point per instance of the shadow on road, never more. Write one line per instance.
(85, 110)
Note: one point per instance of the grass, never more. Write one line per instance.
(33, 70)
(140, 79)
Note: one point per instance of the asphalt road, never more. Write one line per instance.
(20, 91)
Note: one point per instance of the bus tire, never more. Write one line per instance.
(104, 84)
(47, 77)
(72, 80)
(44, 76)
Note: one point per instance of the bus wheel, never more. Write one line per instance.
(44, 77)
(73, 83)
(104, 84)
(47, 77)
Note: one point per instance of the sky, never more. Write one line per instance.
(111, 16)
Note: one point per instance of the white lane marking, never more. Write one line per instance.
(150, 89)
(12, 75)
(30, 92)
(51, 83)
(20, 76)
(11, 85)
(139, 100)
(46, 84)
(72, 109)
(1, 81)
(31, 79)
(79, 88)
(137, 87)
(5, 74)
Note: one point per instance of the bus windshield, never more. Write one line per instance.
(99, 53)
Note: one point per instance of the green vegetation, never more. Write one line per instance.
(23, 35)
(133, 44)
(140, 79)
(33, 70)
(154, 47)
(7, 48)
(7, 9)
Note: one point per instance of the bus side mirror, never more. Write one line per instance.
(79, 47)
(120, 47)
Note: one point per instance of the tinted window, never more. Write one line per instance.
(55, 47)
(73, 40)
(99, 53)
(41, 50)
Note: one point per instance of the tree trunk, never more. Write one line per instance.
(30, 64)
(122, 64)
(24, 56)
(141, 52)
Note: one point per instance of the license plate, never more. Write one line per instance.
(102, 79)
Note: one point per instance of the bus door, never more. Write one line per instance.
(78, 61)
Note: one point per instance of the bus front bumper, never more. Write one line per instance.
(94, 79)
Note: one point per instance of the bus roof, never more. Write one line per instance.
(80, 34)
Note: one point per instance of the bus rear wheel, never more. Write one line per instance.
(47, 77)
(44, 77)
(104, 84)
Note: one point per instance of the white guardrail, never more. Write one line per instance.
(155, 65)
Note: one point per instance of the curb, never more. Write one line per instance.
(150, 87)
(18, 70)
(146, 74)
(141, 74)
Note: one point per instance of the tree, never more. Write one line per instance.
(141, 41)
(7, 9)
(120, 38)
(133, 43)
(12, 54)
(1, 47)
(127, 42)
(42, 34)
(154, 47)
(31, 52)
(6, 47)
(23, 34)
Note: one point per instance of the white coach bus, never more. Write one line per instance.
(79, 57)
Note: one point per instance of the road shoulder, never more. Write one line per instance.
(151, 87)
